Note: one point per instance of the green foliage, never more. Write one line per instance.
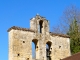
(74, 37)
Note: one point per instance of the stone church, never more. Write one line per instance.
(20, 42)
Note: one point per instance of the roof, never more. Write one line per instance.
(25, 29)
(73, 57)
(60, 35)
(19, 28)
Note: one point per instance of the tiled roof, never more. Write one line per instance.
(61, 35)
(19, 28)
(73, 57)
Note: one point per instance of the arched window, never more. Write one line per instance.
(40, 26)
(48, 50)
(34, 48)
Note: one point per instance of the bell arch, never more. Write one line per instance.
(48, 50)
(34, 49)
(40, 26)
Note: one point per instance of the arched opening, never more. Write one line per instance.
(48, 50)
(40, 26)
(34, 48)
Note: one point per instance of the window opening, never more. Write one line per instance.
(34, 48)
(40, 26)
(48, 50)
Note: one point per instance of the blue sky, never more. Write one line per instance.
(19, 12)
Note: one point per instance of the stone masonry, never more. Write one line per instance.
(20, 42)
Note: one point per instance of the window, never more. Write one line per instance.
(34, 48)
(48, 50)
(40, 26)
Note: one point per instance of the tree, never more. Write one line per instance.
(74, 37)
(67, 18)
(72, 19)
(70, 24)
(69, 14)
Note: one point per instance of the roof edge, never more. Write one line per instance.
(60, 35)
(73, 57)
(19, 28)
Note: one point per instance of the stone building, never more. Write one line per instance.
(20, 42)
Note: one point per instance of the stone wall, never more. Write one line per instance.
(61, 47)
(20, 42)
(20, 45)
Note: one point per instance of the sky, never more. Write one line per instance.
(19, 13)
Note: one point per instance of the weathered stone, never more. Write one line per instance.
(20, 42)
